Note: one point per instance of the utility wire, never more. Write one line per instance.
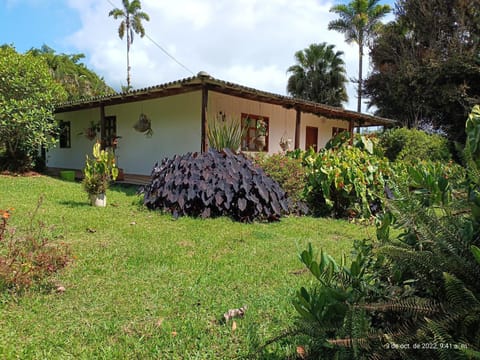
(162, 48)
(169, 55)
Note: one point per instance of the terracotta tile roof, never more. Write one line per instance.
(212, 84)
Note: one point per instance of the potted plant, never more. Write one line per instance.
(98, 172)
(285, 143)
(261, 134)
(91, 132)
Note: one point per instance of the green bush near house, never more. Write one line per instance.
(344, 180)
(412, 144)
(288, 172)
(225, 134)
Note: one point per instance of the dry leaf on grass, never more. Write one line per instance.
(234, 326)
(159, 322)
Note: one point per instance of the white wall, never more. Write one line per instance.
(176, 125)
(74, 157)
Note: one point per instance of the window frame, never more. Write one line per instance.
(110, 131)
(248, 140)
(65, 134)
(337, 130)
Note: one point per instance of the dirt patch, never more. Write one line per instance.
(24, 174)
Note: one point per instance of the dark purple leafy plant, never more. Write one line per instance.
(215, 184)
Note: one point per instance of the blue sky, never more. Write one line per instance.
(29, 24)
(250, 42)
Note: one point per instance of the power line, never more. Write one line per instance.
(162, 48)
(170, 56)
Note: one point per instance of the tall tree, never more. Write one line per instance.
(318, 75)
(359, 21)
(77, 80)
(131, 23)
(426, 64)
(27, 98)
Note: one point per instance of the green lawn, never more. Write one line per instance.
(146, 286)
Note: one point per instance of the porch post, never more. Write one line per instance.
(103, 133)
(204, 145)
(351, 127)
(298, 123)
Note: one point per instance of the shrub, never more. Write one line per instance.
(415, 295)
(344, 181)
(99, 171)
(215, 184)
(225, 134)
(411, 144)
(289, 173)
(433, 183)
(30, 259)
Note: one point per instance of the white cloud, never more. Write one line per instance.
(250, 42)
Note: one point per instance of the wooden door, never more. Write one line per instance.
(311, 138)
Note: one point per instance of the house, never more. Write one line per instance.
(178, 113)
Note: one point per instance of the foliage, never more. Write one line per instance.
(289, 173)
(411, 144)
(99, 171)
(225, 134)
(30, 259)
(432, 183)
(215, 184)
(27, 97)
(76, 79)
(329, 310)
(360, 22)
(426, 66)
(428, 284)
(131, 16)
(344, 180)
(319, 75)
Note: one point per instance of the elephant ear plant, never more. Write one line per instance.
(98, 172)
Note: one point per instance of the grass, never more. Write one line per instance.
(149, 287)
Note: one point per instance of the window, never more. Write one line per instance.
(110, 131)
(337, 130)
(65, 131)
(256, 133)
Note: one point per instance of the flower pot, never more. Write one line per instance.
(261, 142)
(98, 200)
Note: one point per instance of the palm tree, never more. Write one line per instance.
(131, 23)
(319, 75)
(359, 21)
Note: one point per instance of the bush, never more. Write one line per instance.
(433, 183)
(215, 184)
(344, 181)
(30, 259)
(411, 144)
(420, 286)
(289, 173)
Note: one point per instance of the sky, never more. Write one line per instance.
(248, 42)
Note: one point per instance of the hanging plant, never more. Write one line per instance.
(285, 143)
(144, 125)
(91, 132)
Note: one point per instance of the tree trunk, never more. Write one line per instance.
(360, 76)
(128, 52)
